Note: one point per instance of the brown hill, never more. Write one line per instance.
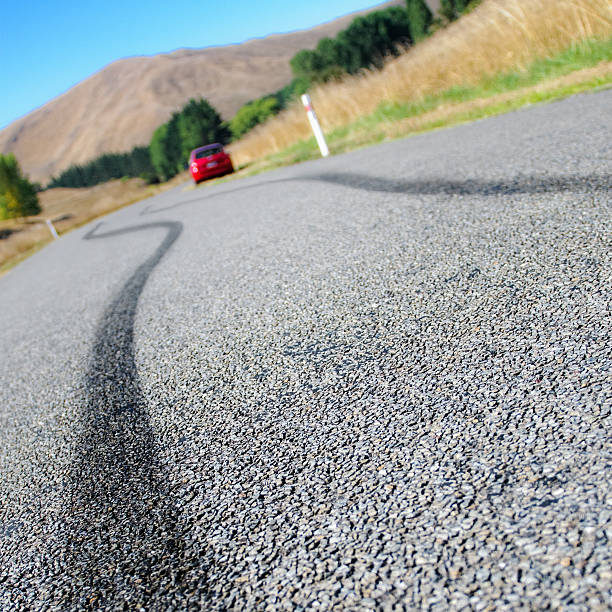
(121, 105)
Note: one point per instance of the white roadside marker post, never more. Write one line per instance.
(52, 229)
(314, 124)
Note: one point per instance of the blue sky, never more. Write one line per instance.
(47, 46)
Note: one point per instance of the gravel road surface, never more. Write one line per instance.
(379, 381)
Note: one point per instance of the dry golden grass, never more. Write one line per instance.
(70, 208)
(450, 110)
(498, 36)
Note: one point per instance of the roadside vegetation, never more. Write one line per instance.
(498, 46)
(364, 44)
(367, 43)
(355, 81)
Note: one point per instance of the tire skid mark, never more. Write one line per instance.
(518, 185)
(124, 543)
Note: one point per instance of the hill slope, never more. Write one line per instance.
(120, 106)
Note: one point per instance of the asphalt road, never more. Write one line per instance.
(376, 381)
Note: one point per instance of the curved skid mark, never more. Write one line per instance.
(529, 185)
(124, 544)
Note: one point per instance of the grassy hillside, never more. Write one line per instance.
(502, 46)
(120, 106)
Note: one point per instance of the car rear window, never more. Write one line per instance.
(208, 152)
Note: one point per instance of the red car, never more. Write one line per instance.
(211, 160)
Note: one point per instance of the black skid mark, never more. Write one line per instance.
(124, 548)
(518, 185)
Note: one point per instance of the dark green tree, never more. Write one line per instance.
(140, 164)
(165, 149)
(303, 63)
(369, 39)
(199, 124)
(328, 51)
(419, 19)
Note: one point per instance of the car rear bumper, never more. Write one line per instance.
(203, 172)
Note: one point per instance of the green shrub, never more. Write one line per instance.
(17, 195)
(295, 89)
(453, 9)
(252, 114)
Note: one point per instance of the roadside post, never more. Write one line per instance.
(314, 124)
(52, 229)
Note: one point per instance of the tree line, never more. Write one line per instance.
(365, 43)
(371, 38)
(109, 166)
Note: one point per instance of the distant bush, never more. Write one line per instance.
(17, 195)
(259, 110)
(165, 149)
(295, 89)
(366, 42)
(252, 114)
